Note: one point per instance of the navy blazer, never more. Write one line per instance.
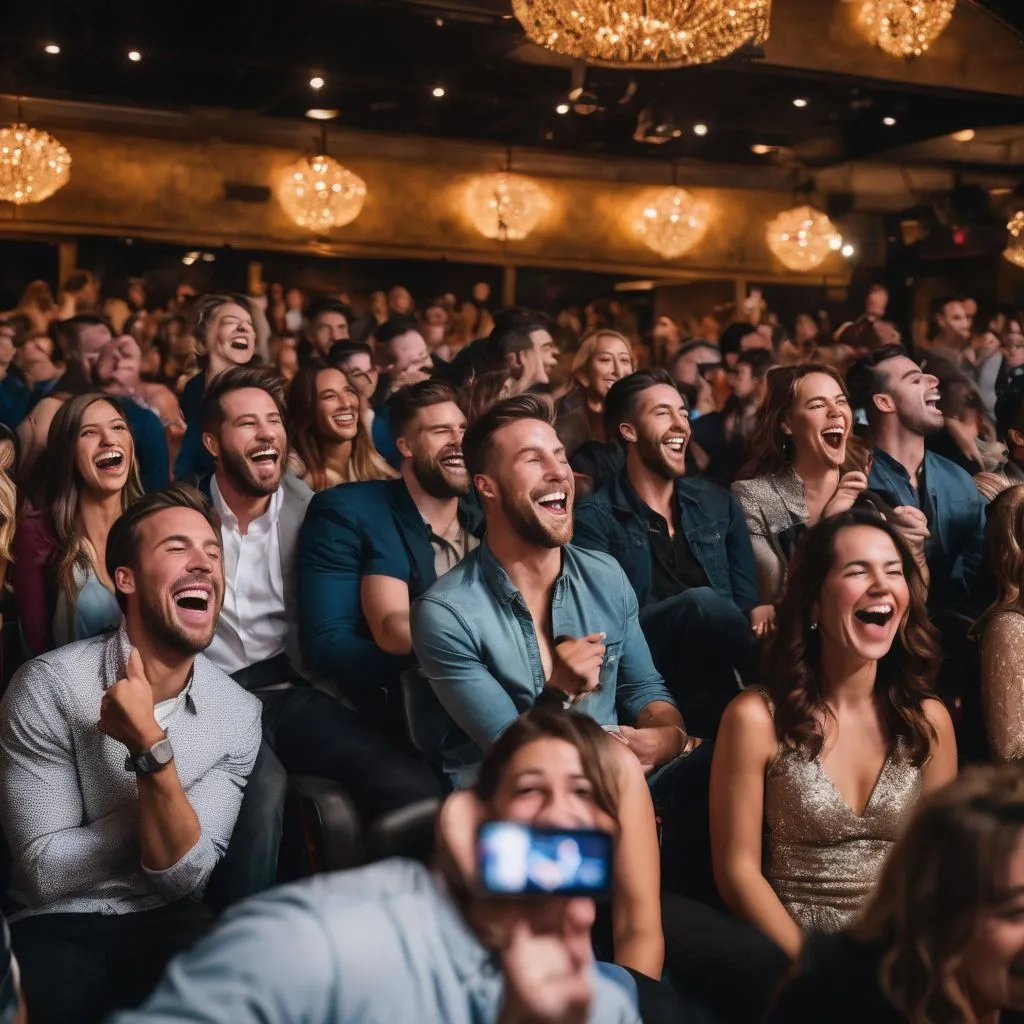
(351, 531)
(612, 520)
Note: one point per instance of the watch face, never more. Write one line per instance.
(162, 752)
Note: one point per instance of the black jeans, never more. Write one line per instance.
(77, 968)
(699, 641)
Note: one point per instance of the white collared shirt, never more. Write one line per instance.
(252, 625)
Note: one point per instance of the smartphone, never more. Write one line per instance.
(519, 860)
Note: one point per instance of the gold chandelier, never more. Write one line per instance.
(906, 28)
(645, 33)
(1014, 251)
(802, 238)
(673, 223)
(505, 206)
(33, 164)
(320, 194)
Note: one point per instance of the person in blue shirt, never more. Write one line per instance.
(684, 545)
(528, 613)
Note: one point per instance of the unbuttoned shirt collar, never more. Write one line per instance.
(263, 525)
(116, 666)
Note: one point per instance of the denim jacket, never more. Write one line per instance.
(956, 520)
(613, 519)
(475, 642)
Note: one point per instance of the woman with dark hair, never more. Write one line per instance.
(61, 586)
(796, 474)
(942, 939)
(815, 775)
(331, 443)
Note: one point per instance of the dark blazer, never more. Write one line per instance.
(350, 531)
(614, 520)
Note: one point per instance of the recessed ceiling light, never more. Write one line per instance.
(320, 114)
(967, 135)
(562, 108)
(316, 82)
(800, 102)
(700, 129)
(52, 49)
(760, 148)
(437, 92)
(889, 122)
(134, 56)
(848, 250)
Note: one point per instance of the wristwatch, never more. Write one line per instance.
(158, 756)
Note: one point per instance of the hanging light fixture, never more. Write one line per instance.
(802, 238)
(905, 28)
(1014, 251)
(673, 222)
(33, 164)
(506, 206)
(645, 33)
(320, 194)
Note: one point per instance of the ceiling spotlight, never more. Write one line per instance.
(967, 135)
(439, 22)
(800, 102)
(208, 257)
(189, 258)
(889, 122)
(321, 114)
(52, 49)
(562, 108)
(760, 149)
(700, 129)
(437, 92)
(848, 250)
(316, 82)
(134, 56)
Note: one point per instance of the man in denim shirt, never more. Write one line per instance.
(526, 612)
(684, 545)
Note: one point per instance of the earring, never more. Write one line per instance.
(814, 625)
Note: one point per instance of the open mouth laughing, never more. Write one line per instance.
(876, 614)
(111, 461)
(555, 502)
(264, 455)
(676, 444)
(241, 342)
(344, 418)
(834, 437)
(194, 599)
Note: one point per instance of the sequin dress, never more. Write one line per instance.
(821, 858)
(1002, 684)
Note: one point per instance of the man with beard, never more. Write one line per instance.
(367, 550)
(261, 509)
(527, 612)
(684, 545)
(122, 764)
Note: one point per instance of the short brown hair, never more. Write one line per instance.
(206, 306)
(123, 539)
(406, 402)
(477, 444)
(239, 378)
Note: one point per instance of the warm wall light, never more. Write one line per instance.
(319, 194)
(889, 122)
(33, 165)
(905, 28)
(967, 135)
(316, 82)
(673, 223)
(321, 114)
(760, 149)
(52, 49)
(803, 238)
(506, 206)
(437, 92)
(1014, 251)
(562, 108)
(800, 102)
(134, 56)
(700, 129)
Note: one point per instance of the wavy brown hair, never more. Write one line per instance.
(772, 448)
(941, 876)
(365, 463)
(905, 676)
(1004, 552)
(62, 485)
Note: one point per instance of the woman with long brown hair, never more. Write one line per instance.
(942, 939)
(91, 475)
(814, 776)
(331, 443)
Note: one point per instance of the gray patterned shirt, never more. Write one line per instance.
(70, 810)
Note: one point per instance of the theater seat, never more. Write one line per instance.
(322, 831)
(408, 832)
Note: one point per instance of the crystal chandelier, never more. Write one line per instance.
(33, 164)
(673, 223)
(319, 194)
(505, 206)
(1014, 251)
(906, 28)
(645, 33)
(802, 238)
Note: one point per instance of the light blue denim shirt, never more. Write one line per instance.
(476, 644)
(381, 944)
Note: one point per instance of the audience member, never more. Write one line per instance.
(61, 585)
(684, 546)
(367, 550)
(122, 764)
(80, 293)
(521, 347)
(402, 356)
(331, 442)
(14, 391)
(941, 939)
(815, 776)
(968, 437)
(1010, 429)
(37, 304)
(948, 339)
(328, 324)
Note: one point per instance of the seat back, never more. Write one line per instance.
(408, 832)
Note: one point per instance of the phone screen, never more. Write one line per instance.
(519, 860)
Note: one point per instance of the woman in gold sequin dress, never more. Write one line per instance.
(814, 776)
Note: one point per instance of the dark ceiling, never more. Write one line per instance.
(381, 59)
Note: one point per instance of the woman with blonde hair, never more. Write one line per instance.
(942, 939)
